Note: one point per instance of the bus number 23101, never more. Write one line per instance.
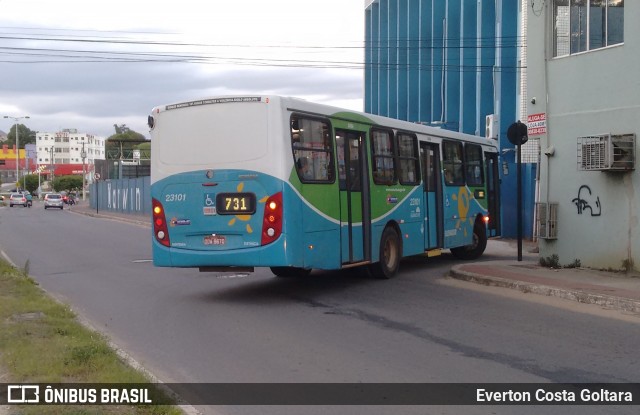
(175, 197)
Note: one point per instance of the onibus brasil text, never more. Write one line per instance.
(34, 394)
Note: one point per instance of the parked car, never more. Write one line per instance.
(53, 200)
(17, 199)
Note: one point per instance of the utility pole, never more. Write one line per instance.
(15, 120)
(83, 154)
(53, 168)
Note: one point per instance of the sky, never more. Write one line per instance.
(91, 64)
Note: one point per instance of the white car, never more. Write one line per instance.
(53, 200)
(17, 199)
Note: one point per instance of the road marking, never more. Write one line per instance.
(6, 257)
(229, 276)
(141, 261)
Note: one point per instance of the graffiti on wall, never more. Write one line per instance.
(582, 201)
(122, 195)
(127, 199)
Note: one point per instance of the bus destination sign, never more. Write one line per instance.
(228, 100)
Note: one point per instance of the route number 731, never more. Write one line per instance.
(236, 204)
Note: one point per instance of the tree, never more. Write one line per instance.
(67, 183)
(145, 150)
(124, 133)
(29, 182)
(122, 143)
(25, 136)
(121, 129)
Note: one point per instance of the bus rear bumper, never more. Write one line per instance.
(271, 255)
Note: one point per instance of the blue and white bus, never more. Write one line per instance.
(267, 181)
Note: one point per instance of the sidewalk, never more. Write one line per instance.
(83, 208)
(612, 290)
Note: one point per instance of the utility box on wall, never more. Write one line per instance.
(547, 220)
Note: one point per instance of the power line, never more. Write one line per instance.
(407, 52)
(437, 43)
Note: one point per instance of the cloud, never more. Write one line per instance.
(95, 96)
(75, 78)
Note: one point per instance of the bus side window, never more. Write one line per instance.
(408, 161)
(383, 167)
(452, 163)
(312, 152)
(305, 170)
(473, 165)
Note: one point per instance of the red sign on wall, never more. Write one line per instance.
(537, 124)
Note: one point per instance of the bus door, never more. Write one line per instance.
(433, 215)
(355, 209)
(493, 190)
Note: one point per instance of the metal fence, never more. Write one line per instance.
(131, 196)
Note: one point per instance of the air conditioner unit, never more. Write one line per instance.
(607, 152)
(491, 126)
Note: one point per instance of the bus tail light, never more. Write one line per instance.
(159, 223)
(272, 220)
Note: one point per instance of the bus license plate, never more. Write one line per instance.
(215, 240)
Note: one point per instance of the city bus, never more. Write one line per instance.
(239, 182)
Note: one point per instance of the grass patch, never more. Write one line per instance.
(42, 342)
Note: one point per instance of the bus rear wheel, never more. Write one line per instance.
(477, 247)
(290, 272)
(390, 254)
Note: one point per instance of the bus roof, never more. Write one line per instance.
(301, 105)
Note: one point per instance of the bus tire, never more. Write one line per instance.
(290, 272)
(390, 254)
(478, 245)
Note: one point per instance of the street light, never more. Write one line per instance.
(52, 167)
(16, 119)
(83, 154)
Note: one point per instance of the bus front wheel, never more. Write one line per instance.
(477, 246)
(290, 272)
(390, 254)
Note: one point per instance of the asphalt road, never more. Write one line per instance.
(186, 326)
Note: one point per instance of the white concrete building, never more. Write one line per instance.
(67, 147)
(584, 106)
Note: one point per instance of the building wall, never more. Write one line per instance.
(450, 63)
(589, 93)
(67, 147)
(132, 196)
(8, 165)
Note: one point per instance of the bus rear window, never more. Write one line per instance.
(211, 135)
(311, 144)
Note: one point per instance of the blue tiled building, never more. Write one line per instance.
(452, 63)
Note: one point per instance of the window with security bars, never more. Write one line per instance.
(606, 152)
(582, 25)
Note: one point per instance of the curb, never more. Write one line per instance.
(606, 301)
(132, 220)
